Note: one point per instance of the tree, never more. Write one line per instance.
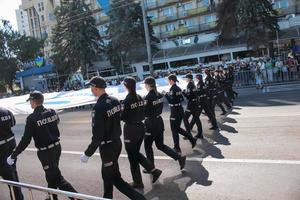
(126, 32)
(255, 21)
(76, 39)
(27, 48)
(14, 50)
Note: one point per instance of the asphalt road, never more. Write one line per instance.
(255, 155)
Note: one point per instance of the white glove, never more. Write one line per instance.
(10, 161)
(84, 158)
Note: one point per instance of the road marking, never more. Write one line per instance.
(197, 159)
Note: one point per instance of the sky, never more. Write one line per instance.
(7, 11)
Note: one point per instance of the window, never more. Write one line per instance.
(156, 29)
(209, 18)
(169, 27)
(278, 4)
(152, 14)
(191, 22)
(187, 6)
(205, 3)
(167, 12)
(42, 18)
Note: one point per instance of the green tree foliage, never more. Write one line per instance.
(126, 32)
(76, 39)
(14, 50)
(255, 21)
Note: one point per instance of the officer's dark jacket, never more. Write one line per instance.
(201, 90)
(229, 78)
(105, 122)
(174, 96)
(7, 120)
(133, 109)
(41, 125)
(210, 82)
(191, 92)
(153, 104)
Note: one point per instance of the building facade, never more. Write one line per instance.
(22, 20)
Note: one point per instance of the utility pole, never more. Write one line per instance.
(147, 37)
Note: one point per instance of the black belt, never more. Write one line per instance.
(49, 146)
(6, 140)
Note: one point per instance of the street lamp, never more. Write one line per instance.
(147, 35)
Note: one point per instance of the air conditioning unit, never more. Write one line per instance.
(179, 4)
(160, 9)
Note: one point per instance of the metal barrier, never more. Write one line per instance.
(47, 191)
(250, 77)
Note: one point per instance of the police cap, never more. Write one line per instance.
(35, 95)
(97, 81)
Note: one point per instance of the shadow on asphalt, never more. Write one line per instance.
(229, 120)
(175, 187)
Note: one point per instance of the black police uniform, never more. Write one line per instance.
(175, 98)
(220, 98)
(41, 125)
(134, 133)
(211, 91)
(192, 109)
(229, 80)
(155, 126)
(204, 104)
(7, 145)
(106, 129)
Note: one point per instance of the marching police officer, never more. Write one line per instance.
(192, 107)
(204, 102)
(134, 133)
(7, 145)
(154, 124)
(175, 97)
(106, 130)
(220, 86)
(41, 125)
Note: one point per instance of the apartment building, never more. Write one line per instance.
(22, 20)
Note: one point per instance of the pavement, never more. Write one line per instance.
(254, 155)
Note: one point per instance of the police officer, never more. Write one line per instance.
(7, 145)
(106, 130)
(175, 97)
(192, 106)
(154, 124)
(204, 103)
(211, 90)
(134, 133)
(41, 125)
(220, 86)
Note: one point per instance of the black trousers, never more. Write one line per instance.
(204, 105)
(192, 110)
(155, 133)
(50, 162)
(176, 117)
(111, 174)
(8, 172)
(133, 139)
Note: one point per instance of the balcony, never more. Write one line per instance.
(183, 30)
(197, 11)
(180, 31)
(159, 3)
(163, 19)
(166, 2)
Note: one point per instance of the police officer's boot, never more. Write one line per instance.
(182, 161)
(156, 174)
